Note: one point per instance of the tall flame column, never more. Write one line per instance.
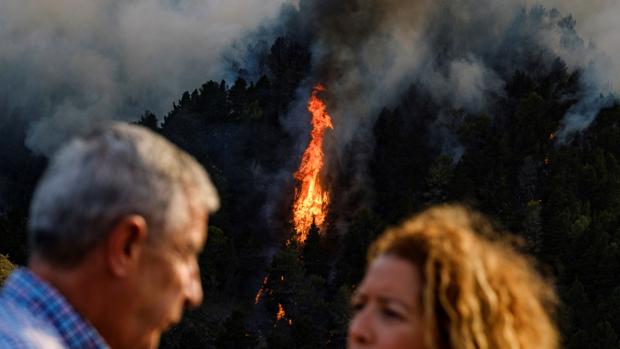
(311, 198)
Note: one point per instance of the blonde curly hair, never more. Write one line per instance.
(478, 291)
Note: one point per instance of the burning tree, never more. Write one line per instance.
(311, 197)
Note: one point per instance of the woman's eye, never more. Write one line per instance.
(392, 314)
(357, 306)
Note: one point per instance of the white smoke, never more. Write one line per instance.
(598, 58)
(460, 52)
(67, 63)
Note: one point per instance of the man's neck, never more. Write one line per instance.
(84, 287)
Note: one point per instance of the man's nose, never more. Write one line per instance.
(361, 330)
(193, 288)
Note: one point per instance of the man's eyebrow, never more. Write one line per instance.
(192, 247)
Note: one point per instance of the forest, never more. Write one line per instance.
(562, 199)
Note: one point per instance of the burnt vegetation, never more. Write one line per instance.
(564, 201)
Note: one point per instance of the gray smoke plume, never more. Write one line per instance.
(462, 52)
(459, 53)
(67, 63)
(368, 52)
(597, 55)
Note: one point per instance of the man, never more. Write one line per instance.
(116, 224)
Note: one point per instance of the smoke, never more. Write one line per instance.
(581, 115)
(67, 63)
(368, 52)
(597, 55)
(458, 54)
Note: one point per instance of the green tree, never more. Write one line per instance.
(351, 264)
(603, 336)
(313, 254)
(234, 332)
(340, 312)
(289, 63)
(6, 267)
(149, 120)
(218, 263)
(239, 99)
(296, 302)
(439, 176)
(532, 226)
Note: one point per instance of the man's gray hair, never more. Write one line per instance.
(109, 173)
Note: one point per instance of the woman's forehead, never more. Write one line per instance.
(391, 274)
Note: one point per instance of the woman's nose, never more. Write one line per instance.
(361, 331)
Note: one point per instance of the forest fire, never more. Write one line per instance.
(280, 313)
(261, 291)
(311, 197)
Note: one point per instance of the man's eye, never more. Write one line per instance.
(185, 251)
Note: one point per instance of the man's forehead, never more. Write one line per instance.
(195, 232)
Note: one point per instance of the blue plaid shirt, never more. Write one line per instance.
(35, 315)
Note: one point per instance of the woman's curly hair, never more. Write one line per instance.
(478, 291)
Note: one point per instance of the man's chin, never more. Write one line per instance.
(173, 320)
(154, 337)
(152, 341)
(166, 326)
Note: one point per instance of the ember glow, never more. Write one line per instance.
(280, 313)
(261, 291)
(311, 198)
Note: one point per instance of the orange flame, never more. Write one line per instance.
(311, 199)
(261, 291)
(280, 313)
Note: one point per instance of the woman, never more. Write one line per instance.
(440, 281)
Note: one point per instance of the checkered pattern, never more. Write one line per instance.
(34, 315)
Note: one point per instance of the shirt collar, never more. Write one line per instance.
(44, 301)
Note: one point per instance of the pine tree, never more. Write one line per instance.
(6, 267)
(234, 333)
(149, 120)
(315, 258)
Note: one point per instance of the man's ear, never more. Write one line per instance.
(125, 243)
